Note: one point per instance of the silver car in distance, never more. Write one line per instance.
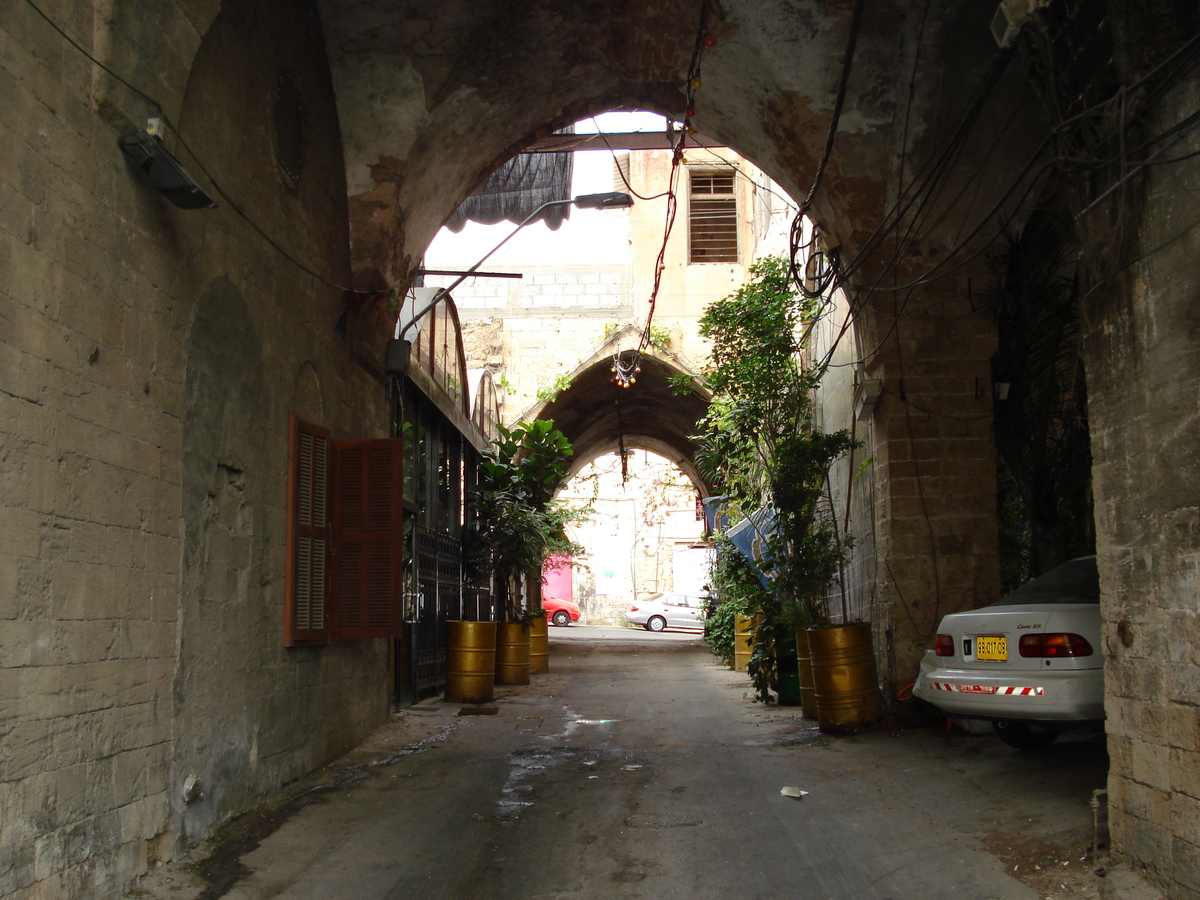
(660, 611)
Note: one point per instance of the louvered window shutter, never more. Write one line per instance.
(306, 612)
(368, 539)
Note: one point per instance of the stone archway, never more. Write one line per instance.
(599, 417)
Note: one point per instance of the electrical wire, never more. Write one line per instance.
(158, 111)
(1176, 131)
(233, 205)
(155, 105)
(840, 99)
(625, 372)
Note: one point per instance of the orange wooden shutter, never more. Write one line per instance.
(306, 588)
(368, 538)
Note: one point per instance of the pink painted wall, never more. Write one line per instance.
(556, 581)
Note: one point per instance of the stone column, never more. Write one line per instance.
(1143, 321)
(934, 466)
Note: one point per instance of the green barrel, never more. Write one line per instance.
(787, 670)
(804, 673)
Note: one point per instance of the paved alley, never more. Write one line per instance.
(639, 768)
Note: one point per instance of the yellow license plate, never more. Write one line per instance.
(991, 647)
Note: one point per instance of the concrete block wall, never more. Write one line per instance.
(148, 358)
(539, 328)
(1143, 384)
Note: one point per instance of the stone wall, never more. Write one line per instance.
(1143, 383)
(852, 478)
(148, 359)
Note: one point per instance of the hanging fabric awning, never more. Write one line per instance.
(518, 188)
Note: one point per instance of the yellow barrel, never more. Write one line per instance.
(808, 693)
(743, 641)
(844, 677)
(539, 646)
(470, 662)
(512, 653)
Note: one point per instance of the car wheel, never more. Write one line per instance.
(1023, 736)
(656, 623)
(562, 617)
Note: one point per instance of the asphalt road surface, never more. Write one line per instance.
(639, 768)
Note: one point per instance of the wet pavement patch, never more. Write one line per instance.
(662, 822)
(479, 711)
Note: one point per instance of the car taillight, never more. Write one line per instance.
(633, 609)
(943, 645)
(1055, 645)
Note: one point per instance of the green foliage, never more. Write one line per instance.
(506, 385)
(1041, 428)
(518, 523)
(738, 592)
(610, 328)
(560, 384)
(763, 665)
(660, 337)
(758, 444)
(681, 384)
(1015, 565)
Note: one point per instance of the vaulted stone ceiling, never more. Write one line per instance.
(433, 96)
(598, 418)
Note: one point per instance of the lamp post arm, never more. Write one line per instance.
(437, 298)
(609, 200)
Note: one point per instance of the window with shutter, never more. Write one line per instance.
(712, 217)
(306, 615)
(368, 539)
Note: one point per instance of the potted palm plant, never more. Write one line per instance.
(760, 446)
(518, 525)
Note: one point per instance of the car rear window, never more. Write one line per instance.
(1077, 581)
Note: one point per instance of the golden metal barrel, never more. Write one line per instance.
(844, 677)
(512, 653)
(808, 693)
(539, 646)
(470, 662)
(743, 641)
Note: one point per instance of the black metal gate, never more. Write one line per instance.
(439, 579)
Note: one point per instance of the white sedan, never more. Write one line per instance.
(1032, 663)
(659, 611)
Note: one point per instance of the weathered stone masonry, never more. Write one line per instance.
(148, 358)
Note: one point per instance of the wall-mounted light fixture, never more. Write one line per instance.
(866, 395)
(167, 176)
(398, 347)
(1008, 18)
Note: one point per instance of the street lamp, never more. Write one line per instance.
(398, 349)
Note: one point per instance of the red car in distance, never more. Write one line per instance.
(560, 612)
